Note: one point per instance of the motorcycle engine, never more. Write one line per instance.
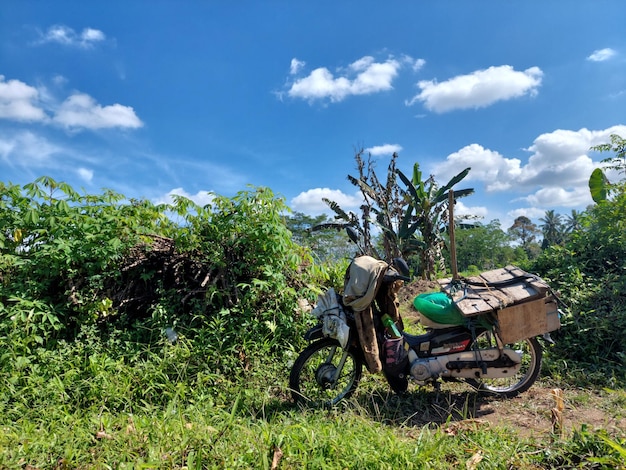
(424, 370)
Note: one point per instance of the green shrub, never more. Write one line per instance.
(590, 273)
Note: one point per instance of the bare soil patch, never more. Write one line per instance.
(531, 412)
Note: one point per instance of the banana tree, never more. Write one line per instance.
(426, 204)
(400, 214)
(599, 185)
(383, 206)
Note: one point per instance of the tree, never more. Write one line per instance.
(599, 185)
(526, 232)
(411, 220)
(327, 245)
(382, 206)
(427, 214)
(483, 246)
(552, 228)
(573, 222)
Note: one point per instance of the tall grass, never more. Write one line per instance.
(109, 402)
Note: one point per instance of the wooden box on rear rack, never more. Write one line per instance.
(521, 304)
(527, 319)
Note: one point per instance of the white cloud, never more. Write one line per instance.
(602, 55)
(81, 110)
(66, 36)
(26, 149)
(552, 196)
(556, 174)
(530, 212)
(562, 157)
(24, 103)
(59, 80)
(296, 66)
(19, 101)
(478, 89)
(310, 202)
(92, 35)
(461, 209)
(488, 166)
(363, 77)
(415, 64)
(385, 149)
(85, 174)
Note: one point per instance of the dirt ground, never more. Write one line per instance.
(531, 413)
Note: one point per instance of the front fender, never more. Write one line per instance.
(314, 333)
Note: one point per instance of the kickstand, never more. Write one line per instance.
(437, 387)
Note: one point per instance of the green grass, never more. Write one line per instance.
(202, 437)
(112, 403)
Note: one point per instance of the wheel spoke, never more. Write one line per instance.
(529, 351)
(324, 373)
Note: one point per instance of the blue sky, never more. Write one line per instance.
(153, 98)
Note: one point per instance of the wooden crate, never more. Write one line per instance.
(553, 314)
(494, 290)
(526, 320)
(522, 304)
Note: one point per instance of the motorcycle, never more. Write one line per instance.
(453, 348)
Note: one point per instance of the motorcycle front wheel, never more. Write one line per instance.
(324, 374)
(530, 352)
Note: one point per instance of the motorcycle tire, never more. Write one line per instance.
(311, 378)
(531, 353)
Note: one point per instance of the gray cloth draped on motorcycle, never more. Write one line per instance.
(332, 316)
(363, 278)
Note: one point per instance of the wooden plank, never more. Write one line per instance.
(482, 294)
(522, 321)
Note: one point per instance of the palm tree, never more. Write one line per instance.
(552, 229)
(573, 222)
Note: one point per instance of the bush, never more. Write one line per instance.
(590, 273)
(227, 273)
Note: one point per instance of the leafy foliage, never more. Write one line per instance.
(427, 204)
(412, 220)
(327, 246)
(88, 380)
(68, 260)
(590, 272)
(61, 248)
(484, 247)
(599, 184)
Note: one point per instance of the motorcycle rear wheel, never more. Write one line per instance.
(312, 378)
(531, 353)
